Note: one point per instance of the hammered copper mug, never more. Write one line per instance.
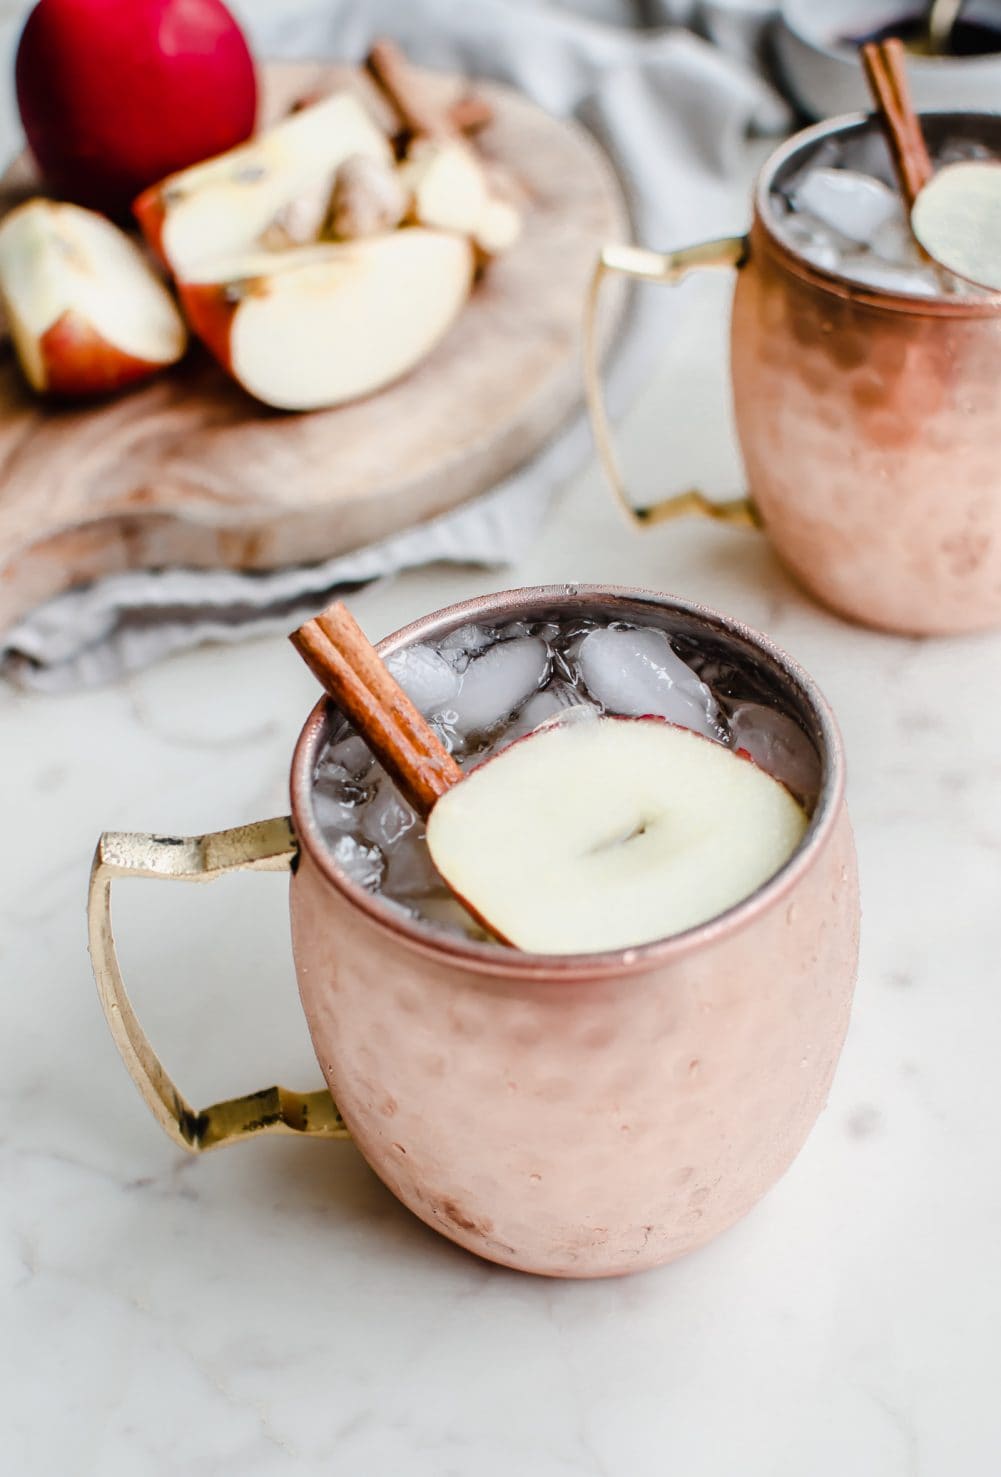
(869, 421)
(578, 1116)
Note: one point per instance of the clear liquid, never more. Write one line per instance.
(482, 688)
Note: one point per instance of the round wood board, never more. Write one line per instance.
(188, 470)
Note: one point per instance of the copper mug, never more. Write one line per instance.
(577, 1116)
(869, 421)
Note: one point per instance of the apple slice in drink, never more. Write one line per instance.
(87, 313)
(226, 204)
(609, 834)
(319, 325)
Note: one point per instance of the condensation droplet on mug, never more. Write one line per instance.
(535, 1179)
(792, 913)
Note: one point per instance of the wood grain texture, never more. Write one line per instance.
(188, 470)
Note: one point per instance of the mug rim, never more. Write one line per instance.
(976, 304)
(497, 960)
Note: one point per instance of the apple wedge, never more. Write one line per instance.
(608, 834)
(87, 314)
(225, 204)
(450, 191)
(323, 324)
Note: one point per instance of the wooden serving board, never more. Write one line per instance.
(188, 470)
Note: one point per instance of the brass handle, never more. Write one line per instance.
(653, 266)
(265, 846)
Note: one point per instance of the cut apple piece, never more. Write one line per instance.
(87, 314)
(497, 228)
(323, 324)
(609, 834)
(450, 190)
(447, 184)
(226, 204)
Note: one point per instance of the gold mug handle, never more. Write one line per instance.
(265, 846)
(653, 266)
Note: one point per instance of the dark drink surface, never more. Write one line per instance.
(967, 38)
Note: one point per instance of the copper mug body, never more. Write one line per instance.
(573, 1116)
(869, 422)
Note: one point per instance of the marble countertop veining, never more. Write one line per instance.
(273, 1310)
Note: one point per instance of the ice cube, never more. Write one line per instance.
(559, 702)
(352, 754)
(459, 645)
(364, 865)
(444, 911)
(496, 683)
(814, 241)
(894, 242)
(872, 271)
(637, 673)
(957, 150)
(410, 872)
(387, 816)
(425, 676)
(337, 797)
(778, 744)
(854, 204)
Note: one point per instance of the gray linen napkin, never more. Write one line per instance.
(670, 109)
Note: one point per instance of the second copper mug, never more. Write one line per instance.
(869, 421)
(576, 1115)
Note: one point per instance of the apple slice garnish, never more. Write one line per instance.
(225, 204)
(323, 324)
(608, 834)
(87, 314)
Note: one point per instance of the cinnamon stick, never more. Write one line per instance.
(470, 113)
(420, 113)
(886, 74)
(339, 654)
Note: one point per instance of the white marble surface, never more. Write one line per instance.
(272, 1310)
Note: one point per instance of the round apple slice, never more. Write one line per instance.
(609, 834)
(957, 219)
(86, 312)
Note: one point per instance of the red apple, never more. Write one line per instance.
(115, 94)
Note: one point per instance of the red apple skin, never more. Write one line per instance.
(150, 211)
(210, 314)
(116, 94)
(79, 361)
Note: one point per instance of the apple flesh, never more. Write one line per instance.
(608, 834)
(319, 325)
(227, 204)
(115, 94)
(450, 190)
(87, 314)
